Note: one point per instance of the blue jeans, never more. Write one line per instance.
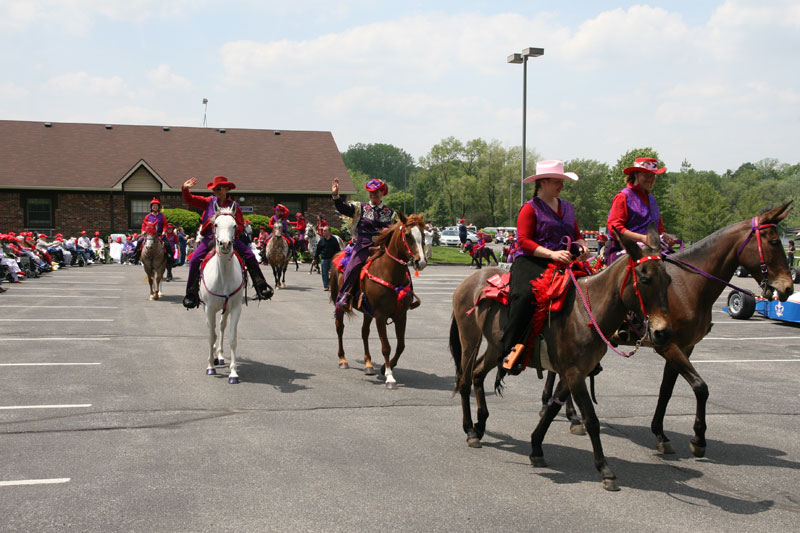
(325, 267)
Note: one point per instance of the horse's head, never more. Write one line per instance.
(310, 232)
(644, 288)
(277, 230)
(413, 227)
(760, 252)
(224, 230)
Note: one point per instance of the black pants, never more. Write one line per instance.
(524, 269)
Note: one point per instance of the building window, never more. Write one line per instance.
(139, 209)
(39, 213)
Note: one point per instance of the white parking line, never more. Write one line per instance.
(27, 288)
(66, 406)
(3, 339)
(59, 306)
(747, 361)
(18, 295)
(34, 482)
(48, 364)
(56, 320)
(750, 338)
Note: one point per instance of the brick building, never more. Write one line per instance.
(61, 177)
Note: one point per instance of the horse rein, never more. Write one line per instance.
(632, 264)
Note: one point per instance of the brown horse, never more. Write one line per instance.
(154, 261)
(573, 349)
(277, 253)
(383, 286)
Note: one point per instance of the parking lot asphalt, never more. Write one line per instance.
(109, 423)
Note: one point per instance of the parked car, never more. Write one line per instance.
(743, 306)
(449, 237)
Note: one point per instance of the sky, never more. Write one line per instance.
(715, 83)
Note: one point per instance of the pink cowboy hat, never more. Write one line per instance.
(645, 164)
(552, 168)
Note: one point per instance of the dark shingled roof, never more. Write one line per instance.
(92, 156)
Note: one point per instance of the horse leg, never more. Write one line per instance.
(487, 362)
(223, 323)
(233, 378)
(575, 422)
(211, 321)
(400, 335)
(339, 318)
(386, 350)
(577, 386)
(547, 391)
(678, 363)
(369, 370)
(554, 406)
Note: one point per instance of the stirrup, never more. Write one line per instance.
(512, 362)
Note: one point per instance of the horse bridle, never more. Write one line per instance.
(755, 228)
(408, 248)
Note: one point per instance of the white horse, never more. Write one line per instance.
(222, 282)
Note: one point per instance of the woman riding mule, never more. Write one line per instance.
(220, 187)
(573, 349)
(542, 224)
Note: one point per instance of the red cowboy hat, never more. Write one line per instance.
(283, 209)
(155, 201)
(119, 239)
(645, 164)
(220, 181)
(262, 228)
(170, 225)
(298, 214)
(42, 236)
(59, 235)
(377, 185)
(128, 237)
(247, 221)
(83, 232)
(96, 233)
(462, 220)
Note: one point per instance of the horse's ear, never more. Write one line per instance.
(401, 216)
(774, 216)
(653, 238)
(629, 244)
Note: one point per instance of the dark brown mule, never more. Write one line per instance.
(399, 244)
(573, 349)
(692, 297)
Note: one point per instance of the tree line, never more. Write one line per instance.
(480, 181)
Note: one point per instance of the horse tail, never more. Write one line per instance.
(455, 351)
(333, 284)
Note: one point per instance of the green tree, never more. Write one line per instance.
(443, 163)
(584, 193)
(383, 161)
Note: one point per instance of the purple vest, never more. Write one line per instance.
(209, 215)
(550, 228)
(639, 216)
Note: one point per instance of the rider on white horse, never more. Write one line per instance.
(210, 205)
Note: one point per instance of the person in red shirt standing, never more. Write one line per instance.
(300, 232)
(542, 224)
(635, 207)
(210, 205)
(321, 225)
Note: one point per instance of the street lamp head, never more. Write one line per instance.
(515, 58)
(533, 52)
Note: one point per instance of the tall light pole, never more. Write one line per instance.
(523, 58)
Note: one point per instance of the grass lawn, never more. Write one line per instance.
(449, 254)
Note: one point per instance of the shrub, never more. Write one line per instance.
(183, 217)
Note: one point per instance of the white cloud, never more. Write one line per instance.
(11, 91)
(163, 78)
(83, 82)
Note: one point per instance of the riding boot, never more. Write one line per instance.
(192, 298)
(262, 288)
(137, 254)
(169, 270)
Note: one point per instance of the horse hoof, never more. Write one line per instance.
(698, 451)
(233, 380)
(538, 461)
(152, 297)
(610, 485)
(392, 385)
(577, 429)
(211, 372)
(369, 371)
(665, 448)
(474, 442)
(343, 365)
(219, 362)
